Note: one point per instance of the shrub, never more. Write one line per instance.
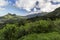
(57, 25)
(41, 26)
(42, 36)
(9, 32)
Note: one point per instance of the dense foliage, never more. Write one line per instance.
(42, 36)
(42, 29)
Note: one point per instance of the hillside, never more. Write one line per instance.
(52, 15)
(55, 13)
(38, 27)
(10, 17)
(34, 16)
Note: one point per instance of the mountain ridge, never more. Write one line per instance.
(9, 16)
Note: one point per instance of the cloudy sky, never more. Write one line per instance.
(22, 7)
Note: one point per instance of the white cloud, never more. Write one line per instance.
(45, 5)
(48, 7)
(3, 3)
(25, 4)
(56, 0)
(2, 8)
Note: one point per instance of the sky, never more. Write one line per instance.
(22, 7)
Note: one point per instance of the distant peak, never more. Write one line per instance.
(10, 14)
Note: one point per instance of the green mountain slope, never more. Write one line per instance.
(55, 13)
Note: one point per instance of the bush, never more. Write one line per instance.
(57, 25)
(41, 26)
(14, 32)
(9, 32)
(42, 36)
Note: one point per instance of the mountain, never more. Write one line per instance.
(11, 18)
(52, 15)
(36, 15)
(55, 13)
